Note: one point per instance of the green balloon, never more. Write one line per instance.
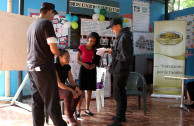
(121, 18)
(74, 25)
(101, 17)
(102, 11)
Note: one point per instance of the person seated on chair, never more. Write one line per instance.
(69, 92)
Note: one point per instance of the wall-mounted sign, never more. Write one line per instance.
(86, 7)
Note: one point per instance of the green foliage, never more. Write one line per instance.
(175, 5)
(187, 3)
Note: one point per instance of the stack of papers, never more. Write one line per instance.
(101, 51)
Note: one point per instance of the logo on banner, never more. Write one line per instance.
(169, 38)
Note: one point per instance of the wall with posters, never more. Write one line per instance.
(61, 5)
(189, 60)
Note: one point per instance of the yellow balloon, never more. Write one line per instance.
(101, 17)
(126, 20)
(74, 25)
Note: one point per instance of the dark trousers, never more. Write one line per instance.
(70, 102)
(45, 96)
(190, 88)
(119, 83)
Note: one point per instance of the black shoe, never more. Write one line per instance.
(88, 112)
(116, 123)
(115, 118)
(191, 106)
(78, 113)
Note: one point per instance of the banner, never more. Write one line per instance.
(169, 56)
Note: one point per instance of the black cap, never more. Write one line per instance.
(115, 21)
(51, 6)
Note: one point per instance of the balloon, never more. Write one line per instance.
(97, 10)
(126, 20)
(102, 11)
(95, 17)
(101, 17)
(74, 25)
(67, 25)
(74, 18)
(68, 17)
(121, 18)
(124, 24)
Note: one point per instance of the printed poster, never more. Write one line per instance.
(141, 15)
(143, 42)
(189, 30)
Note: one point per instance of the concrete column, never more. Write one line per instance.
(7, 73)
(9, 5)
(7, 83)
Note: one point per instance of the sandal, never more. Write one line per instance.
(78, 113)
(88, 112)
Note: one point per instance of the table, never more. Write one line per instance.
(182, 78)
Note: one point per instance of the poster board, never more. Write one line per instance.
(141, 15)
(75, 67)
(13, 40)
(60, 31)
(143, 42)
(189, 30)
(89, 25)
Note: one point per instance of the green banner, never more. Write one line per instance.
(169, 56)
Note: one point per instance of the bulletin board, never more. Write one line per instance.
(189, 30)
(13, 40)
(143, 42)
(60, 31)
(89, 25)
(141, 15)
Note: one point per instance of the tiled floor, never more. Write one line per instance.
(158, 114)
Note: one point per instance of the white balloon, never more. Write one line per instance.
(67, 24)
(95, 17)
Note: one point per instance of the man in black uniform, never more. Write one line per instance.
(42, 47)
(120, 67)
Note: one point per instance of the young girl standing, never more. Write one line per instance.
(88, 60)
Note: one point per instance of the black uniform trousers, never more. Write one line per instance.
(45, 96)
(119, 92)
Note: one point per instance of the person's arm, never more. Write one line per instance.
(54, 49)
(72, 82)
(80, 62)
(51, 38)
(52, 42)
(126, 51)
(63, 86)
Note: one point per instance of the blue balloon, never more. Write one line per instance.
(75, 19)
(68, 17)
(124, 24)
(97, 10)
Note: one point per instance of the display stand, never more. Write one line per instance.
(14, 102)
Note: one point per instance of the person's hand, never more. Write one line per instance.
(78, 90)
(75, 94)
(92, 66)
(86, 65)
(109, 51)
